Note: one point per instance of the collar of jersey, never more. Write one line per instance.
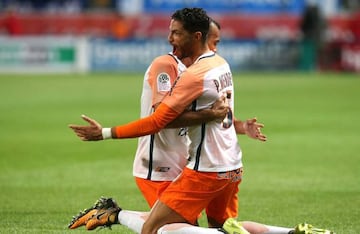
(205, 55)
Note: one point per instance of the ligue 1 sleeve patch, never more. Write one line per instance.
(163, 82)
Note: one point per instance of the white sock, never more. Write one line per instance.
(132, 219)
(277, 230)
(259, 228)
(184, 228)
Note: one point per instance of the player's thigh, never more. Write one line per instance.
(160, 215)
(224, 205)
(151, 190)
(191, 193)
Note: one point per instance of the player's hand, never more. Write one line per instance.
(220, 108)
(92, 132)
(253, 129)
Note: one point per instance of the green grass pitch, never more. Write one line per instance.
(307, 171)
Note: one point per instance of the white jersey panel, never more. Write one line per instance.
(213, 147)
(162, 156)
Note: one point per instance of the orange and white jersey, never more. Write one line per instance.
(213, 147)
(161, 156)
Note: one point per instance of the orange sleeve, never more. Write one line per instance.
(148, 125)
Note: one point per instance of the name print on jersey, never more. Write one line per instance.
(225, 80)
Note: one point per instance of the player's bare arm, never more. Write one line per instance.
(217, 112)
(251, 128)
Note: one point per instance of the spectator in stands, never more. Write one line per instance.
(12, 23)
(312, 26)
(121, 29)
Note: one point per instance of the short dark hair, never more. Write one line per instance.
(215, 22)
(194, 20)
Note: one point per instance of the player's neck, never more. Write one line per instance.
(198, 53)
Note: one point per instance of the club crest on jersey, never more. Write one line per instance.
(163, 82)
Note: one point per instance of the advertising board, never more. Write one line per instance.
(37, 54)
(110, 55)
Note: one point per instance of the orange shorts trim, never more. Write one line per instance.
(151, 190)
(194, 191)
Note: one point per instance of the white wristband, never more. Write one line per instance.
(106, 133)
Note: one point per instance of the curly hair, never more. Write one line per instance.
(194, 20)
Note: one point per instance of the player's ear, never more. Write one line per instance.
(198, 35)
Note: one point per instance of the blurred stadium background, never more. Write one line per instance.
(307, 100)
(124, 35)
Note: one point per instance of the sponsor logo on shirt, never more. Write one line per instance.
(162, 169)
